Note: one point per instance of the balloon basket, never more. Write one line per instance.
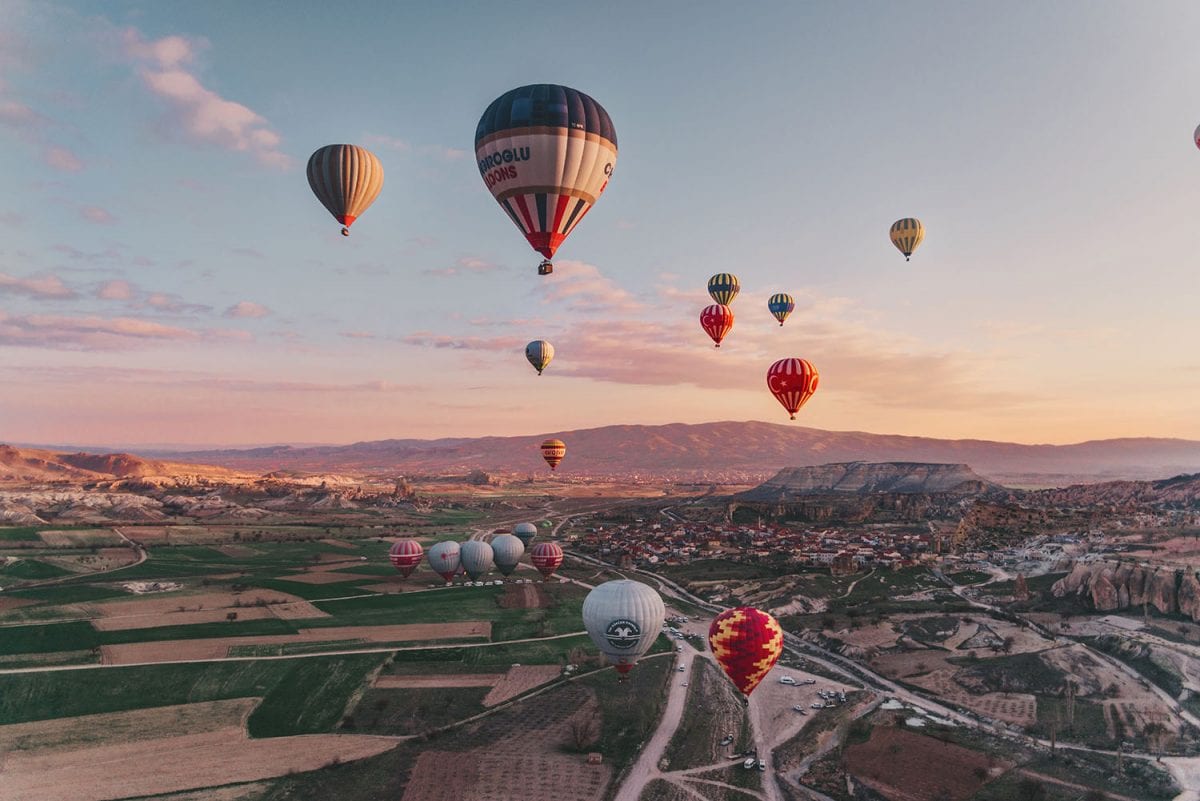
(545, 268)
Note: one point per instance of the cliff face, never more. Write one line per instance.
(870, 477)
(1111, 586)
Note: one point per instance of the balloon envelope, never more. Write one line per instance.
(545, 152)
(525, 532)
(445, 559)
(781, 305)
(477, 558)
(539, 353)
(724, 287)
(546, 557)
(553, 451)
(405, 555)
(1196, 136)
(623, 618)
(746, 644)
(346, 179)
(507, 551)
(907, 235)
(717, 321)
(792, 382)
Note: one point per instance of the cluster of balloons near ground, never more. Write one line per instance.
(476, 558)
(624, 618)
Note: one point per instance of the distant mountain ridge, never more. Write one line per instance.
(870, 477)
(725, 451)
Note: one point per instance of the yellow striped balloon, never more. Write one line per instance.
(723, 287)
(907, 235)
(346, 179)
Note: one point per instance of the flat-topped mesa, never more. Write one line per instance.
(871, 477)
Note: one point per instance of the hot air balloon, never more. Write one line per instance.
(623, 618)
(477, 558)
(346, 179)
(907, 235)
(546, 153)
(781, 305)
(792, 382)
(553, 451)
(723, 287)
(525, 532)
(507, 550)
(405, 556)
(546, 557)
(445, 559)
(539, 352)
(1196, 136)
(746, 644)
(716, 320)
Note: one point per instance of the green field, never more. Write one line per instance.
(19, 534)
(31, 570)
(413, 711)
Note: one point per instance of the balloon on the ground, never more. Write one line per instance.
(716, 320)
(507, 551)
(445, 559)
(546, 557)
(525, 532)
(792, 382)
(539, 353)
(907, 235)
(746, 644)
(781, 305)
(724, 287)
(346, 179)
(405, 555)
(477, 558)
(623, 618)
(545, 152)
(553, 451)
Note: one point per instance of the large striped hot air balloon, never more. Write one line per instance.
(539, 353)
(716, 320)
(623, 618)
(553, 451)
(507, 551)
(546, 153)
(724, 287)
(781, 305)
(346, 179)
(546, 557)
(525, 532)
(792, 382)
(405, 556)
(445, 559)
(477, 558)
(907, 235)
(746, 644)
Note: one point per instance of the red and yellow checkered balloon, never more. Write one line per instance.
(746, 643)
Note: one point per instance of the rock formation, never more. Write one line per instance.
(1111, 586)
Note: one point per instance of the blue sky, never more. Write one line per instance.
(167, 277)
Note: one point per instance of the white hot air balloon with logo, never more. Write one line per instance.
(623, 618)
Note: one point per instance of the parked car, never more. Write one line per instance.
(749, 763)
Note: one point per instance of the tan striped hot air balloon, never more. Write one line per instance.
(346, 179)
(907, 235)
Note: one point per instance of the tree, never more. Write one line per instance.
(584, 731)
(1031, 789)
(232, 616)
(1095, 795)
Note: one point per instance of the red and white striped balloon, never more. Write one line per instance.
(406, 555)
(716, 320)
(792, 382)
(546, 557)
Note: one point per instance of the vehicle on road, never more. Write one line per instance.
(749, 763)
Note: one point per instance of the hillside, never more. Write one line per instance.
(869, 477)
(724, 451)
(36, 466)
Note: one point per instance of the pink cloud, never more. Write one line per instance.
(115, 290)
(467, 264)
(427, 339)
(581, 287)
(47, 287)
(62, 159)
(358, 335)
(200, 113)
(97, 215)
(86, 333)
(246, 309)
(383, 140)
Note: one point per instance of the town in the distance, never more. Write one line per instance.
(961, 621)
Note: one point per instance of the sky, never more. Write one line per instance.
(167, 277)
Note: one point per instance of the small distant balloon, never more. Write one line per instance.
(525, 532)
(781, 305)
(724, 287)
(346, 179)
(716, 320)
(792, 382)
(553, 451)
(907, 235)
(539, 353)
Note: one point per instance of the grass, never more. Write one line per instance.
(486, 659)
(76, 635)
(629, 710)
(964, 577)
(1140, 779)
(1088, 728)
(19, 534)
(413, 711)
(31, 569)
(69, 593)
(692, 746)
(300, 696)
(1037, 585)
(720, 569)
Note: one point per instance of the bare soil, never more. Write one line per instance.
(14, 603)
(518, 680)
(180, 618)
(897, 764)
(524, 596)
(446, 680)
(80, 538)
(170, 602)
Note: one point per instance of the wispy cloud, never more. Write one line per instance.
(389, 142)
(251, 252)
(202, 115)
(86, 333)
(358, 335)
(115, 290)
(246, 309)
(467, 264)
(428, 339)
(27, 123)
(98, 215)
(44, 287)
(581, 287)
